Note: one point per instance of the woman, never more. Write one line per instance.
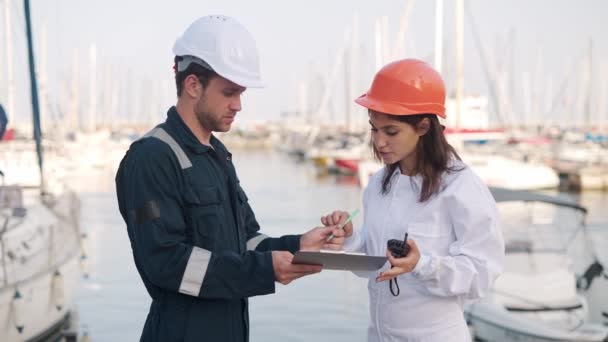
(424, 190)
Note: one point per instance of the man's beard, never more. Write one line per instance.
(207, 119)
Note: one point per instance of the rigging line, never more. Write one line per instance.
(491, 81)
(565, 83)
(18, 26)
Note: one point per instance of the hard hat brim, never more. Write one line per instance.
(244, 82)
(369, 102)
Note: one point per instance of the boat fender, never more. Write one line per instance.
(17, 306)
(84, 252)
(84, 243)
(58, 290)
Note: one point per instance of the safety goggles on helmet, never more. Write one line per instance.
(184, 62)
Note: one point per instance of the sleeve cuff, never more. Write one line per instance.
(353, 243)
(421, 270)
(269, 273)
(289, 243)
(292, 243)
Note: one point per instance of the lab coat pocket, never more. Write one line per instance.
(430, 230)
(204, 215)
(431, 238)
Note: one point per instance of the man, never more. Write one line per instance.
(194, 236)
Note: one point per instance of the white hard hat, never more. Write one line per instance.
(224, 45)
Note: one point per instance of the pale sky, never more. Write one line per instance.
(298, 41)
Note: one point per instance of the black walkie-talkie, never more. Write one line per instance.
(399, 249)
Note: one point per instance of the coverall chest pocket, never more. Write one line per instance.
(205, 214)
(242, 207)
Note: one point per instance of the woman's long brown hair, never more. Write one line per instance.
(433, 155)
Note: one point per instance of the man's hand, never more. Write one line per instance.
(285, 272)
(316, 239)
(337, 218)
(401, 265)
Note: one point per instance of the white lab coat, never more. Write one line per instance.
(462, 253)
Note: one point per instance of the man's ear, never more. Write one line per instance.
(192, 86)
(423, 126)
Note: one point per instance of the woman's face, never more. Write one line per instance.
(394, 140)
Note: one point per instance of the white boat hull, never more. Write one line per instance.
(495, 171)
(39, 269)
(39, 312)
(508, 173)
(494, 323)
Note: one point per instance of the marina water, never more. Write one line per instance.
(288, 197)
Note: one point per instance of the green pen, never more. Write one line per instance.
(350, 217)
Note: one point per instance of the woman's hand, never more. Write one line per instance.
(401, 265)
(337, 218)
(318, 238)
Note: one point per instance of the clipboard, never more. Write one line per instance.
(340, 260)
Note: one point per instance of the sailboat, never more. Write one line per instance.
(493, 169)
(540, 295)
(40, 247)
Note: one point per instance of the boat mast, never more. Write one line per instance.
(438, 34)
(92, 120)
(10, 109)
(34, 91)
(459, 60)
(588, 107)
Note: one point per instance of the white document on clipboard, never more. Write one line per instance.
(340, 260)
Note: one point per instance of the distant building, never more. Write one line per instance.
(474, 113)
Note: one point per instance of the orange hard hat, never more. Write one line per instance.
(406, 87)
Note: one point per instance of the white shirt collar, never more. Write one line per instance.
(399, 179)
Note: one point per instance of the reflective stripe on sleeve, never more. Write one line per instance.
(161, 134)
(253, 243)
(195, 272)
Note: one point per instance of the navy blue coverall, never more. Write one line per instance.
(194, 236)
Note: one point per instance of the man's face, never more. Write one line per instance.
(218, 105)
